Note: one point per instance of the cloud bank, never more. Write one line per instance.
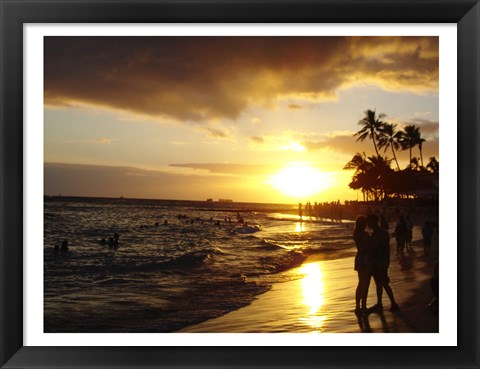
(202, 78)
(236, 169)
(131, 182)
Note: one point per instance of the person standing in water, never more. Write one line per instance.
(379, 263)
(362, 264)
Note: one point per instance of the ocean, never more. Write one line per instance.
(177, 263)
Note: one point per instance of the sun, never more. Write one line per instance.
(300, 180)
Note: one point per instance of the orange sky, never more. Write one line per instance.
(221, 117)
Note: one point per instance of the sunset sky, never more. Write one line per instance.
(257, 119)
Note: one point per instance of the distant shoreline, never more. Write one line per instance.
(347, 211)
(72, 197)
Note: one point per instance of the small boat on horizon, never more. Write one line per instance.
(225, 200)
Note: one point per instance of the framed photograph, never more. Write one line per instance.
(225, 184)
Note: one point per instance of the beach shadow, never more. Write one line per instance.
(385, 327)
(406, 262)
(363, 323)
(404, 317)
(411, 251)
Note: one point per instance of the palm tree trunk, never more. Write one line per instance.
(410, 156)
(421, 155)
(395, 156)
(374, 143)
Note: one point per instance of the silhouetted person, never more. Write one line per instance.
(401, 234)
(362, 264)
(379, 262)
(427, 233)
(384, 222)
(300, 210)
(64, 245)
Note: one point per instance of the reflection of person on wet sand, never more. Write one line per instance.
(427, 233)
(434, 284)
(362, 264)
(408, 239)
(379, 262)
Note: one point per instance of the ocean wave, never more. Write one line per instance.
(289, 260)
(250, 237)
(112, 281)
(269, 245)
(189, 260)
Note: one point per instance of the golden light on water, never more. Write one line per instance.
(313, 294)
(300, 180)
(299, 227)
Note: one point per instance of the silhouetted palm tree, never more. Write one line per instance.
(433, 165)
(414, 164)
(371, 174)
(359, 163)
(409, 139)
(361, 166)
(389, 136)
(371, 126)
(420, 140)
(377, 174)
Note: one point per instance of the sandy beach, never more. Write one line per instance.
(320, 298)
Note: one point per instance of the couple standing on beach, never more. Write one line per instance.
(372, 260)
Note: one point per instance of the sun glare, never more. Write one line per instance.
(294, 146)
(300, 180)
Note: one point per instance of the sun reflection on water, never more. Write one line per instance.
(313, 295)
(299, 227)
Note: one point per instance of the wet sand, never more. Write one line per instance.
(321, 299)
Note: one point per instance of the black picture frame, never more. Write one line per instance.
(15, 13)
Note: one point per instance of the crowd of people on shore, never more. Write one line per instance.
(328, 210)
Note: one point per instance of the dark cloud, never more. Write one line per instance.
(342, 143)
(427, 127)
(347, 144)
(257, 139)
(295, 106)
(116, 181)
(237, 169)
(200, 78)
(216, 133)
